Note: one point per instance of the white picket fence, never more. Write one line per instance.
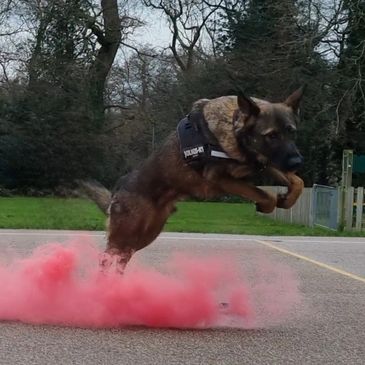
(353, 208)
(301, 211)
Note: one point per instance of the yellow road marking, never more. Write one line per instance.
(315, 262)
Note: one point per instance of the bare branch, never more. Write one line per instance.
(117, 106)
(187, 20)
(138, 51)
(100, 36)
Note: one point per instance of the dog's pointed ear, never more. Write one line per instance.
(293, 100)
(247, 106)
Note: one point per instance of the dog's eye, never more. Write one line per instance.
(292, 131)
(273, 136)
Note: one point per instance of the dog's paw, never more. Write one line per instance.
(265, 207)
(282, 201)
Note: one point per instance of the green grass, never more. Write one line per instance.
(50, 213)
(56, 213)
(234, 218)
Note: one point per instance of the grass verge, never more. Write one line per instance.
(80, 214)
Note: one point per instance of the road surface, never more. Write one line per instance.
(330, 329)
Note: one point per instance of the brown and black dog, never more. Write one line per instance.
(253, 136)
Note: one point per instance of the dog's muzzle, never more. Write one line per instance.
(288, 158)
(294, 163)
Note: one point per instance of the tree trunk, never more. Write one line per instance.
(109, 42)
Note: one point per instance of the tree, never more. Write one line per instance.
(350, 84)
(271, 48)
(58, 117)
(188, 20)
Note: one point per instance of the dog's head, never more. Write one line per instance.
(268, 130)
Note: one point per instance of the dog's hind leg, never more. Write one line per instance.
(115, 258)
(134, 222)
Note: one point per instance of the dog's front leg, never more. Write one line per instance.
(117, 258)
(294, 183)
(265, 202)
(295, 189)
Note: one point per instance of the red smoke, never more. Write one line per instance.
(61, 284)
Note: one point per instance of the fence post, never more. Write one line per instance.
(311, 206)
(359, 207)
(349, 207)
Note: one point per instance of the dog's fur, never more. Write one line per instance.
(256, 134)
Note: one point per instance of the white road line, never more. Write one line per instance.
(72, 234)
(50, 234)
(165, 236)
(312, 261)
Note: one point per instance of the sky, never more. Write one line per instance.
(156, 32)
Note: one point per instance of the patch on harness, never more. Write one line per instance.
(192, 141)
(193, 152)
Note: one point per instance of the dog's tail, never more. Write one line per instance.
(98, 193)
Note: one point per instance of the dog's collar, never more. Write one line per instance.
(197, 144)
(261, 166)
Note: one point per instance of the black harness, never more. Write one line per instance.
(198, 145)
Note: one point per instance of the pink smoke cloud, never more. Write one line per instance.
(61, 284)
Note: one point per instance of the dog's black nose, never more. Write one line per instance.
(295, 162)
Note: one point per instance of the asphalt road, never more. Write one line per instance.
(329, 328)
